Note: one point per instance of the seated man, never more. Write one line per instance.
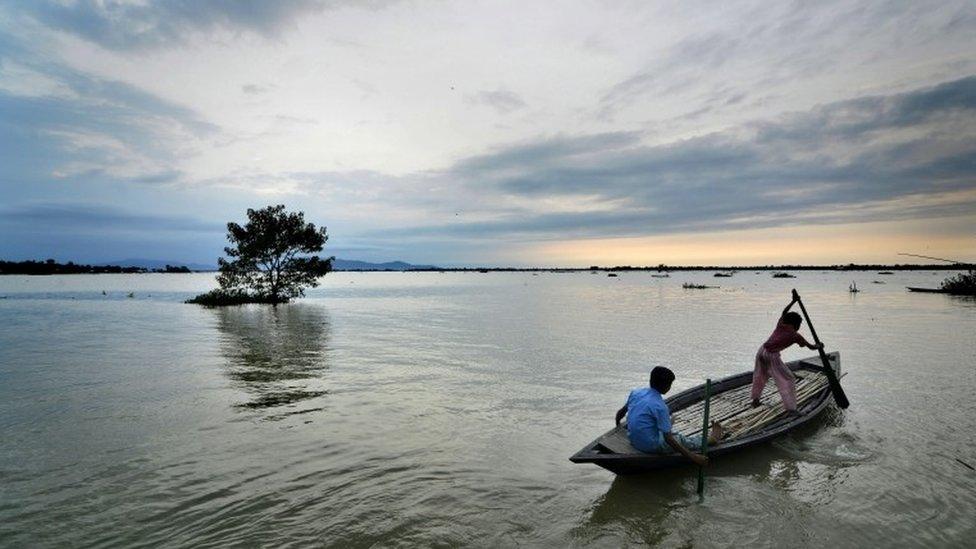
(649, 421)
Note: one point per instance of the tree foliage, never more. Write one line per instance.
(961, 284)
(270, 259)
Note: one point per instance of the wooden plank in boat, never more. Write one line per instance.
(618, 442)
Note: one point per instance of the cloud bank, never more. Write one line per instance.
(446, 134)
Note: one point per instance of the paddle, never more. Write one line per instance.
(704, 437)
(832, 380)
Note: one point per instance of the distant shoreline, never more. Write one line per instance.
(674, 268)
(47, 268)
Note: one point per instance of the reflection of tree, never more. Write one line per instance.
(276, 354)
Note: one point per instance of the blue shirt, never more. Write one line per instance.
(648, 418)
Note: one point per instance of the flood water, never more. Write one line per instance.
(440, 409)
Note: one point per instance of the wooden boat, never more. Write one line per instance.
(731, 406)
(927, 290)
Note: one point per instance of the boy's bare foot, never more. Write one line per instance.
(755, 403)
(717, 433)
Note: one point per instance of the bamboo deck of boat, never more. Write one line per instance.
(731, 405)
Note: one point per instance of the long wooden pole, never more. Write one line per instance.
(835, 387)
(704, 439)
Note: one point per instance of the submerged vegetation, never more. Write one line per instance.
(219, 297)
(961, 284)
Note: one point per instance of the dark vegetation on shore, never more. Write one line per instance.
(670, 268)
(52, 267)
(961, 284)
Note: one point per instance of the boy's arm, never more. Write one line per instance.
(698, 459)
(802, 342)
(788, 307)
(620, 415)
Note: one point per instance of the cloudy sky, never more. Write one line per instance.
(521, 133)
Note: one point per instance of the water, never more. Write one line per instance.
(440, 409)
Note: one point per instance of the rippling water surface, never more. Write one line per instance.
(439, 409)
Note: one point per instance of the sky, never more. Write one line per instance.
(492, 133)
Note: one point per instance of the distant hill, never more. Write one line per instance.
(353, 265)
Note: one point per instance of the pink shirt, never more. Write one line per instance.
(782, 337)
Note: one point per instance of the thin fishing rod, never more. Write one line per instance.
(936, 258)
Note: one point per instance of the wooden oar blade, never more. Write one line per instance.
(835, 389)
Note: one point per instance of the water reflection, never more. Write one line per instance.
(779, 477)
(277, 355)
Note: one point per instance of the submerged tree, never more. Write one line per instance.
(961, 284)
(270, 259)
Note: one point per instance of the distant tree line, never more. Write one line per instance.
(52, 267)
(667, 268)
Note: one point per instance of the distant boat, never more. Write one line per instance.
(783, 275)
(885, 273)
(730, 405)
(723, 275)
(927, 290)
(877, 282)
(665, 275)
(612, 275)
(483, 271)
(853, 288)
(690, 286)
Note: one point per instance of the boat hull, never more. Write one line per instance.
(633, 462)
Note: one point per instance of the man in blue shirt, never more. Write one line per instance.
(649, 421)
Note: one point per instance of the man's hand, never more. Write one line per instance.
(817, 346)
(620, 415)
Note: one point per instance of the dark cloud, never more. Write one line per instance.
(502, 101)
(256, 89)
(678, 69)
(554, 149)
(124, 25)
(90, 126)
(60, 217)
(849, 36)
(848, 161)
(89, 233)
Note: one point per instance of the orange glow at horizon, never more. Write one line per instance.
(877, 242)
